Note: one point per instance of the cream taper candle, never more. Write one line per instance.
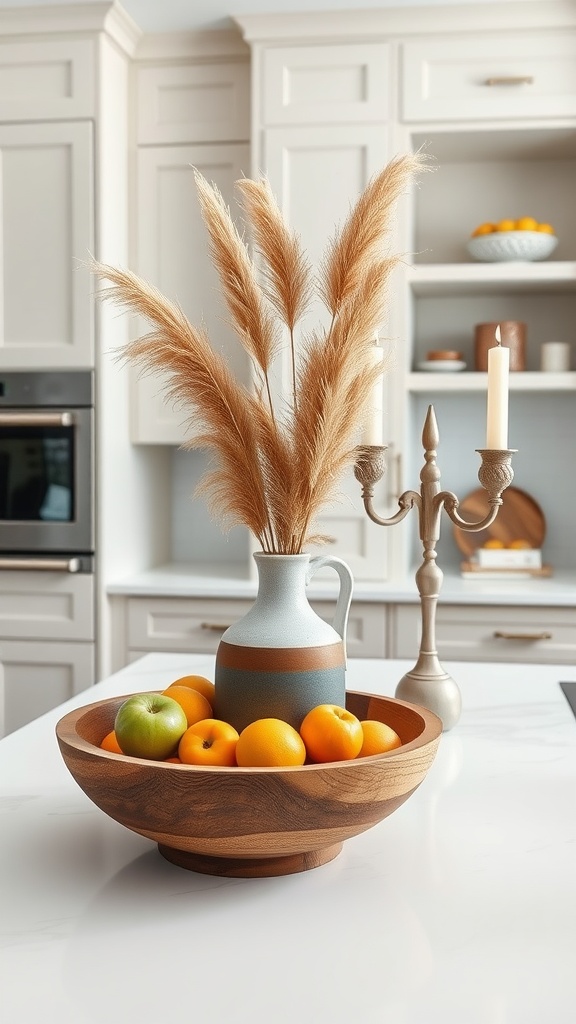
(497, 399)
(373, 432)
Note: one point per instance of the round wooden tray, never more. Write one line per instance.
(519, 518)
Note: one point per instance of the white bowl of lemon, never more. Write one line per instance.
(524, 239)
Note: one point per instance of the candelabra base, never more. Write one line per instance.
(430, 686)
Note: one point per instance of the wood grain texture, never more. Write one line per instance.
(519, 518)
(295, 816)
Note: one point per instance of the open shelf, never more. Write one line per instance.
(471, 381)
(447, 279)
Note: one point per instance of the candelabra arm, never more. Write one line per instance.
(406, 501)
(451, 503)
(369, 468)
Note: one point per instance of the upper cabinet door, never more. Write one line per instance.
(326, 84)
(173, 254)
(490, 77)
(46, 217)
(47, 79)
(202, 102)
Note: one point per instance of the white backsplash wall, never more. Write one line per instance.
(196, 537)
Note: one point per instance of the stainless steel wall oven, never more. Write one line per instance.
(47, 469)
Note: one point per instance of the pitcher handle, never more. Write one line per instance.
(340, 620)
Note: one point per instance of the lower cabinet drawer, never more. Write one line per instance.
(491, 633)
(196, 625)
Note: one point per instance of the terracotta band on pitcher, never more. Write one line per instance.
(283, 659)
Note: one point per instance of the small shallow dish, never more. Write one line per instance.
(505, 246)
(441, 365)
(251, 821)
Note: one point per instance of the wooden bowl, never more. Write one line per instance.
(251, 821)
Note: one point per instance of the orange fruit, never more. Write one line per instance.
(546, 228)
(173, 760)
(269, 742)
(526, 224)
(520, 544)
(193, 703)
(378, 738)
(331, 733)
(506, 225)
(211, 742)
(483, 229)
(493, 544)
(111, 743)
(200, 683)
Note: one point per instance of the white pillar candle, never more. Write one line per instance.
(373, 432)
(497, 399)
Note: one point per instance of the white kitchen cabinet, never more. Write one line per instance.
(196, 625)
(505, 149)
(332, 84)
(46, 605)
(47, 641)
(172, 248)
(490, 633)
(46, 216)
(38, 676)
(208, 102)
(47, 79)
(489, 77)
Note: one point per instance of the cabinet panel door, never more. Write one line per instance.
(492, 633)
(47, 605)
(490, 77)
(46, 215)
(325, 84)
(172, 253)
(36, 677)
(317, 173)
(47, 79)
(207, 102)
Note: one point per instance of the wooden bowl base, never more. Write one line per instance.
(250, 867)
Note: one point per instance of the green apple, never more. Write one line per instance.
(150, 725)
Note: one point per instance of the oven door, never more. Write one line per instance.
(46, 481)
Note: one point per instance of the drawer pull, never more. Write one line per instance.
(510, 80)
(501, 635)
(40, 564)
(215, 627)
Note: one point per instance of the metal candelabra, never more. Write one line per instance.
(428, 684)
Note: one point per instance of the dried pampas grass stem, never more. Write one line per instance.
(274, 472)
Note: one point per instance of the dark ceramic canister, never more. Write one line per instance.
(513, 335)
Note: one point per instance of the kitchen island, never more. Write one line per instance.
(460, 908)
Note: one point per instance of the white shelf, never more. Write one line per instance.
(470, 381)
(475, 278)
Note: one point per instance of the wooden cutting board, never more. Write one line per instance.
(519, 518)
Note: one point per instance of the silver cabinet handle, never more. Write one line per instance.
(215, 627)
(36, 419)
(35, 564)
(501, 635)
(510, 80)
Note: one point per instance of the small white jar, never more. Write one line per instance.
(555, 357)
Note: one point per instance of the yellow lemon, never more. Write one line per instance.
(483, 229)
(506, 225)
(546, 228)
(526, 224)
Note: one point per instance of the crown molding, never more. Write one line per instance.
(62, 19)
(367, 25)
(205, 44)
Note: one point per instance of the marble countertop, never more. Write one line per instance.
(177, 580)
(460, 908)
